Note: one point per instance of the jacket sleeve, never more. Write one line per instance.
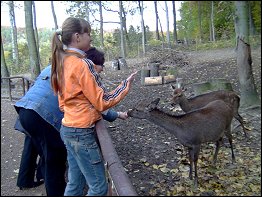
(94, 91)
(110, 116)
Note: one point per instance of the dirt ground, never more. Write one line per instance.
(155, 161)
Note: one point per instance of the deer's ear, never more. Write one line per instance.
(153, 104)
(184, 89)
(156, 101)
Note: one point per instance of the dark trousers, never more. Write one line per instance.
(29, 167)
(53, 150)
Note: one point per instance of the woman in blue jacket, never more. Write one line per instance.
(40, 119)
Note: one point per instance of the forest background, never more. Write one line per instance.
(202, 25)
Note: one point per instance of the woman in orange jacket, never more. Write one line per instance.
(82, 98)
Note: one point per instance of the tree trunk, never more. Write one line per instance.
(101, 25)
(156, 12)
(4, 70)
(14, 34)
(199, 22)
(174, 16)
(125, 28)
(249, 95)
(213, 38)
(123, 51)
(36, 31)
(167, 26)
(54, 15)
(141, 9)
(34, 59)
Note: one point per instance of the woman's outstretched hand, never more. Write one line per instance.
(131, 78)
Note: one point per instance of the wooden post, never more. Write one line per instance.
(9, 89)
(154, 67)
(122, 63)
(145, 72)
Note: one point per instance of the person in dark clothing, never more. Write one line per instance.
(29, 167)
(40, 117)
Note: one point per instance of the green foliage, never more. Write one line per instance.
(188, 28)
(256, 14)
(154, 42)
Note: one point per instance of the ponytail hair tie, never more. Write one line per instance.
(59, 32)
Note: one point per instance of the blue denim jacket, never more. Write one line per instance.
(40, 98)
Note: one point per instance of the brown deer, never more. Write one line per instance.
(207, 124)
(188, 104)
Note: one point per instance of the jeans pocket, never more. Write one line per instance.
(88, 141)
(95, 155)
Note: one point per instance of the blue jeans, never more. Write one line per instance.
(85, 162)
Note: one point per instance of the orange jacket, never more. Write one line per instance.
(84, 97)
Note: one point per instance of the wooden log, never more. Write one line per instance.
(153, 80)
(169, 78)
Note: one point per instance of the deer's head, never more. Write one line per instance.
(178, 95)
(142, 109)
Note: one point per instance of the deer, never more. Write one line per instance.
(207, 124)
(188, 104)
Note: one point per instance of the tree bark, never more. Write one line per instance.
(174, 16)
(212, 38)
(123, 51)
(141, 9)
(101, 25)
(34, 59)
(249, 95)
(167, 27)
(54, 15)
(36, 31)
(156, 12)
(14, 34)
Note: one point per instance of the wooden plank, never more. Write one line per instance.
(169, 78)
(153, 80)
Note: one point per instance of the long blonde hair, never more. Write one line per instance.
(70, 26)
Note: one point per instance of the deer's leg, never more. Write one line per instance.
(190, 155)
(241, 121)
(196, 151)
(229, 136)
(218, 144)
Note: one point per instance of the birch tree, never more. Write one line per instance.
(15, 53)
(141, 9)
(123, 50)
(101, 25)
(167, 27)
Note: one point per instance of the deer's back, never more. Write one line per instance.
(202, 100)
(206, 124)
